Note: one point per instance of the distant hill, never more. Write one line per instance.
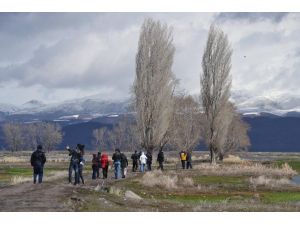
(268, 132)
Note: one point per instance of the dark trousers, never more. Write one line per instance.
(80, 171)
(134, 166)
(123, 171)
(189, 165)
(161, 165)
(104, 171)
(38, 171)
(98, 171)
(183, 164)
(149, 166)
(70, 172)
(94, 175)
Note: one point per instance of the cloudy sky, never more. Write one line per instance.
(59, 56)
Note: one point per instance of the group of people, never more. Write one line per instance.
(186, 159)
(140, 161)
(100, 161)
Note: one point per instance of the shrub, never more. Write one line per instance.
(254, 169)
(269, 182)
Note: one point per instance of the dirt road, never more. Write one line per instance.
(55, 195)
(48, 196)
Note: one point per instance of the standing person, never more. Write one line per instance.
(124, 164)
(135, 159)
(182, 156)
(143, 160)
(94, 166)
(80, 151)
(74, 162)
(161, 159)
(38, 160)
(99, 163)
(149, 160)
(117, 162)
(104, 164)
(189, 160)
(139, 161)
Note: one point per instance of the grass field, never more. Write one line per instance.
(242, 185)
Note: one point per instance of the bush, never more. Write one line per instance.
(167, 181)
(254, 169)
(269, 182)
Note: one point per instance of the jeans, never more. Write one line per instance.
(38, 172)
(74, 166)
(189, 165)
(142, 167)
(117, 165)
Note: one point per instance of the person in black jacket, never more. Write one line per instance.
(161, 159)
(135, 159)
(38, 160)
(74, 165)
(124, 164)
(99, 164)
(117, 163)
(80, 152)
(149, 160)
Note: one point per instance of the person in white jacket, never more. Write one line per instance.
(143, 160)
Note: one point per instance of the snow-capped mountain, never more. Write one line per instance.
(33, 104)
(8, 108)
(278, 105)
(96, 106)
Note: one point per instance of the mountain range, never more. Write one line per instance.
(274, 121)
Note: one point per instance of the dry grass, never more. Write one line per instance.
(52, 176)
(251, 169)
(19, 180)
(167, 181)
(269, 182)
(233, 159)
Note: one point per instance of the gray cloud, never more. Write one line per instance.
(252, 16)
(58, 56)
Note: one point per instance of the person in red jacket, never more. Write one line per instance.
(104, 164)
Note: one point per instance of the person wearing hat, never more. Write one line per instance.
(38, 160)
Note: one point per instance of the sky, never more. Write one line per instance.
(52, 57)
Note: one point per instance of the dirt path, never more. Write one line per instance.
(56, 195)
(48, 196)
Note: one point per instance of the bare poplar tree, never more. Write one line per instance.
(237, 137)
(51, 136)
(215, 90)
(47, 134)
(123, 135)
(185, 130)
(32, 135)
(13, 136)
(100, 137)
(154, 83)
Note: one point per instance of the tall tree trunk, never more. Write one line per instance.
(212, 155)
